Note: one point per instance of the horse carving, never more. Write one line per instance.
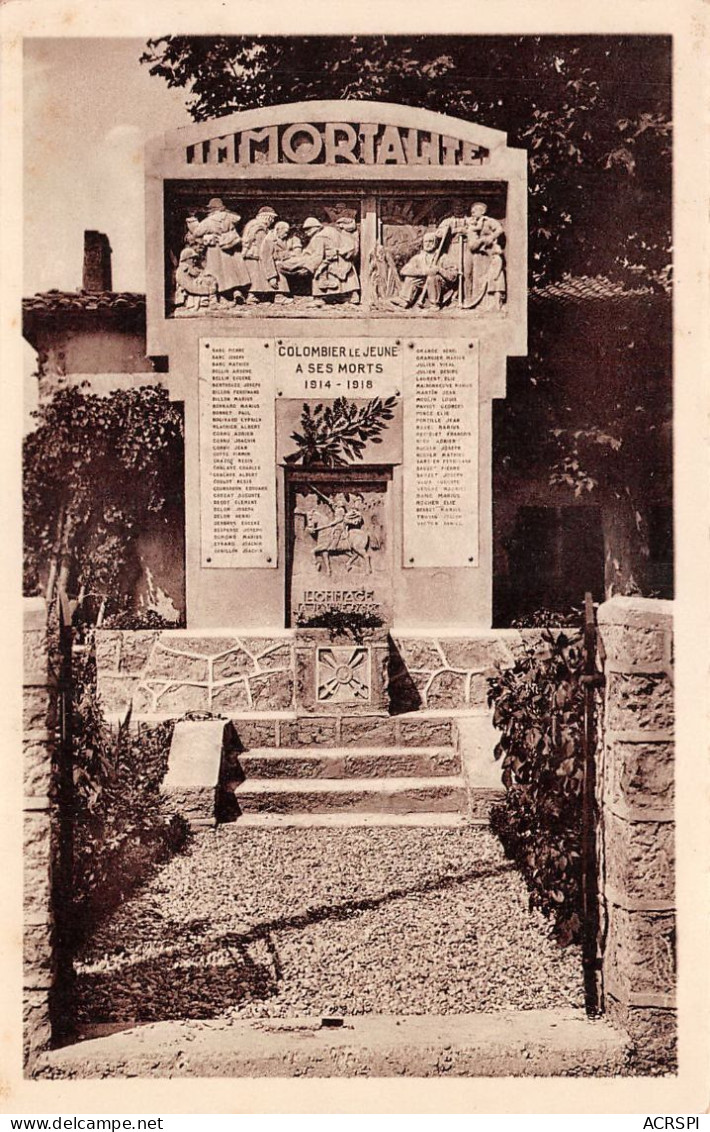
(341, 534)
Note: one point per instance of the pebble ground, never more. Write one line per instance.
(327, 922)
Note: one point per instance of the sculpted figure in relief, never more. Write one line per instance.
(473, 241)
(217, 233)
(484, 237)
(195, 288)
(255, 232)
(330, 255)
(340, 533)
(384, 277)
(280, 258)
(430, 276)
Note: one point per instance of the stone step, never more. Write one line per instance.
(342, 820)
(417, 729)
(349, 762)
(506, 1043)
(377, 795)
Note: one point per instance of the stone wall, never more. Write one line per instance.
(38, 741)
(433, 672)
(166, 673)
(636, 787)
(162, 674)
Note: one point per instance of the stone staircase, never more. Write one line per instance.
(412, 784)
(341, 770)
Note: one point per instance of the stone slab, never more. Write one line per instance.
(640, 859)
(639, 702)
(529, 1043)
(477, 738)
(340, 820)
(196, 754)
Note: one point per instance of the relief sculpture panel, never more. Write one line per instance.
(340, 550)
(249, 257)
(316, 255)
(433, 255)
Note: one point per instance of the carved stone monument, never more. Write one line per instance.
(336, 288)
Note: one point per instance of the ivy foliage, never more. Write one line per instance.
(342, 623)
(94, 469)
(539, 708)
(335, 435)
(122, 827)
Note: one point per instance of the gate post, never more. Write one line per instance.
(46, 695)
(39, 742)
(637, 881)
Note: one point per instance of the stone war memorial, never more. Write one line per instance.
(336, 288)
(334, 294)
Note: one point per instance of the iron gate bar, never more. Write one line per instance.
(63, 1006)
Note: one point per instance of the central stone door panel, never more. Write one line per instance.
(339, 549)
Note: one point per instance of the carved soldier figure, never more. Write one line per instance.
(384, 277)
(469, 239)
(280, 257)
(429, 276)
(496, 289)
(452, 233)
(254, 234)
(487, 279)
(223, 260)
(341, 534)
(348, 242)
(329, 257)
(194, 287)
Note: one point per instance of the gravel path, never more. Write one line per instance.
(258, 923)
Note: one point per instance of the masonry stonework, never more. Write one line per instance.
(637, 840)
(39, 722)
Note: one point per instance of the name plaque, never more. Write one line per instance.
(440, 465)
(237, 453)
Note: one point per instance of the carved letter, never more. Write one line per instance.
(430, 150)
(344, 148)
(368, 131)
(258, 137)
(471, 154)
(450, 147)
(411, 147)
(390, 148)
(304, 154)
(222, 150)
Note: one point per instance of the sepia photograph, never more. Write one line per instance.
(349, 556)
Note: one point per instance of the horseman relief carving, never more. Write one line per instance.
(338, 530)
(341, 557)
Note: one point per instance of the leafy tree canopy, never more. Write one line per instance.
(592, 111)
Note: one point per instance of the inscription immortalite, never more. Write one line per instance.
(237, 453)
(441, 453)
(332, 143)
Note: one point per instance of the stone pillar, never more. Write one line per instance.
(637, 824)
(39, 738)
